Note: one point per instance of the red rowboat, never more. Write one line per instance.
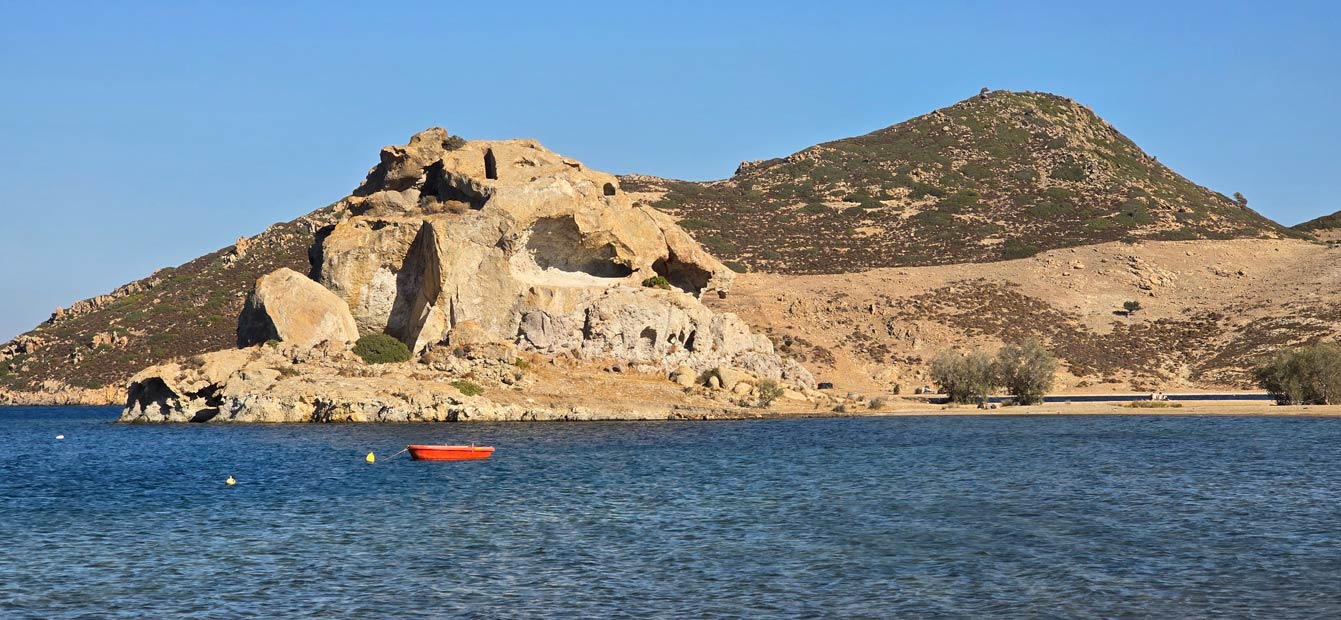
(449, 453)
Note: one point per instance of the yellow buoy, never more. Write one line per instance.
(230, 481)
(370, 458)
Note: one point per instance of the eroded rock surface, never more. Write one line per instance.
(473, 253)
(289, 307)
(533, 248)
(285, 383)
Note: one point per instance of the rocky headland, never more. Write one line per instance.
(525, 286)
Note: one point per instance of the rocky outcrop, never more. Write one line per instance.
(56, 393)
(93, 304)
(273, 384)
(473, 253)
(533, 248)
(288, 306)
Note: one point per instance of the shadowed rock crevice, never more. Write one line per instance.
(151, 395)
(442, 187)
(685, 276)
(418, 286)
(557, 244)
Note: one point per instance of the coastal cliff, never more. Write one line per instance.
(475, 255)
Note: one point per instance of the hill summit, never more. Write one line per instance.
(1000, 175)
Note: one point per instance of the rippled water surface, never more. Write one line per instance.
(985, 517)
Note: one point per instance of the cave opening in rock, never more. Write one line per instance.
(689, 342)
(557, 244)
(648, 338)
(687, 277)
(437, 184)
(152, 392)
(609, 189)
(490, 165)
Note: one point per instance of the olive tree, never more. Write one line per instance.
(964, 377)
(1027, 371)
(1306, 375)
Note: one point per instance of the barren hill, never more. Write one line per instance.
(998, 176)
(1211, 310)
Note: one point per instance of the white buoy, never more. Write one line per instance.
(60, 437)
(230, 481)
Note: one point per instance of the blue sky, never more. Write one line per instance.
(135, 136)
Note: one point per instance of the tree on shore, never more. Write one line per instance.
(1027, 371)
(1306, 375)
(965, 377)
(1131, 307)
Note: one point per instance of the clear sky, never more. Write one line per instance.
(138, 135)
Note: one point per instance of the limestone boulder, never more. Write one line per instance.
(288, 306)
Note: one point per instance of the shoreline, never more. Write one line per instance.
(907, 409)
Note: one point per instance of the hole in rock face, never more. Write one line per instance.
(556, 243)
(609, 189)
(151, 392)
(648, 338)
(490, 165)
(689, 342)
(438, 185)
(685, 276)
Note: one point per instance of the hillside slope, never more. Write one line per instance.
(998, 176)
(1211, 310)
(178, 311)
(1325, 228)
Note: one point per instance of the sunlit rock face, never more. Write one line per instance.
(533, 248)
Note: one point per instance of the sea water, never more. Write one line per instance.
(921, 517)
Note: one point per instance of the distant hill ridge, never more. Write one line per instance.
(997, 176)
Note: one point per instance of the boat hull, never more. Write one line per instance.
(449, 453)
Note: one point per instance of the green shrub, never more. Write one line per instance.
(521, 364)
(381, 349)
(1027, 371)
(735, 266)
(769, 391)
(1307, 375)
(719, 245)
(694, 224)
(815, 208)
(1069, 172)
(1014, 248)
(657, 282)
(1025, 175)
(1131, 307)
(1153, 404)
(467, 388)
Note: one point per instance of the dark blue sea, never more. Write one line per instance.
(950, 517)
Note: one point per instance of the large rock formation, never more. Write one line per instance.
(534, 248)
(471, 253)
(289, 307)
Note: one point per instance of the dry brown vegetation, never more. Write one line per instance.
(1211, 311)
(993, 177)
